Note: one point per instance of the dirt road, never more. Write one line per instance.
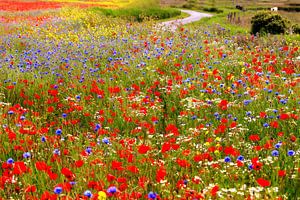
(194, 16)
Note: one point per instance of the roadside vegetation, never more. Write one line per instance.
(139, 14)
(236, 20)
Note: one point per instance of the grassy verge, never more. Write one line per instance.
(241, 24)
(139, 14)
(221, 19)
(181, 16)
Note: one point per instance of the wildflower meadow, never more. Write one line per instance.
(99, 107)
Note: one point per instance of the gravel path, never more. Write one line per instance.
(194, 16)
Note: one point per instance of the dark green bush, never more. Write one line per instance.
(296, 28)
(267, 22)
(212, 9)
(188, 5)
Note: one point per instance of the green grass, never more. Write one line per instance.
(181, 16)
(221, 19)
(242, 22)
(139, 14)
(247, 3)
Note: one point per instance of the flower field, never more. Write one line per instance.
(102, 108)
(29, 5)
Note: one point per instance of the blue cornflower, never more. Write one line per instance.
(72, 183)
(58, 190)
(185, 182)
(152, 195)
(194, 117)
(22, 117)
(283, 101)
(56, 152)
(291, 153)
(112, 190)
(88, 150)
(275, 153)
(10, 112)
(250, 166)
(105, 140)
(240, 158)
(247, 102)
(64, 115)
(97, 127)
(43, 139)
(26, 155)
(88, 193)
(10, 161)
(278, 145)
(266, 125)
(227, 159)
(58, 131)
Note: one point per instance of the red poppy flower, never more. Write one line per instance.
(110, 177)
(284, 116)
(160, 174)
(223, 104)
(30, 188)
(79, 163)
(263, 182)
(183, 163)
(41, 166)
(143, 149)
(19, 168)
(68, 173)
(133, 169)
(166, 147)
(214, 190)
(281, 173)
(254, 137)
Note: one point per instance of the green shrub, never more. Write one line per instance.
(188, 6)
(296, 28)
(212, 9)
(267, 22)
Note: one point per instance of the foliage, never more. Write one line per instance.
(296, 28)
(213, 9)
(267, 22)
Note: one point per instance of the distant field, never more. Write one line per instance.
(227, 3)
(24, 5)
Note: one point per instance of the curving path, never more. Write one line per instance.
(194, 16)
